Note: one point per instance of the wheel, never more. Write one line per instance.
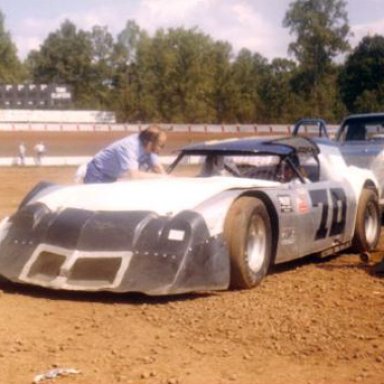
(368, 224)
(247, 231)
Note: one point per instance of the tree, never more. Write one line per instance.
(321, 29)
(248, 70)
(224, 94)
(361, 80)
(279, 103)
(11, 70)
(128, 40)
(176, 75)
(102, 65)
(125, 74)
(65, 57)
(370, 101)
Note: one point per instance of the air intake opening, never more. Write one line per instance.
(94, 270)
(47, 266)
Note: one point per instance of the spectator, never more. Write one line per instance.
(135, 156)
(40, 151)
(22, 152)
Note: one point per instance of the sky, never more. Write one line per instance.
(252, 24)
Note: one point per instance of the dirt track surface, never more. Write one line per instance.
(88, 143)
(309, 322)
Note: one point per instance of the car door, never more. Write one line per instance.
(360, 152)
(360, 141)
(323, 214)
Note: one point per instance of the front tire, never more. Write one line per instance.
(248, 233)
(368, 223)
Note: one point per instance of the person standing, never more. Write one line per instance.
(22, 152)
(135, 156)
(40, 151)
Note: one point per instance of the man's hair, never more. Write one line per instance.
(151, 134)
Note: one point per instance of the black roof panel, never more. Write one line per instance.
(255, 145)
(364, 117)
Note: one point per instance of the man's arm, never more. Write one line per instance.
(158, 168)
(157, 171)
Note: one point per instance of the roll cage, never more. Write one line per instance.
(311, 125)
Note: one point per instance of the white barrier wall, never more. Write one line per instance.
(264, 129)
(55, 116)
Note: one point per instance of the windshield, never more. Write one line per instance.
(248, 166)
(361, 129)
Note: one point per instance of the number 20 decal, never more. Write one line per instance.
(319, 198)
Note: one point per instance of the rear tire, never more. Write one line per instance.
(248, 233)
(368, 222)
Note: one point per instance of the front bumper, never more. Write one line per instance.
(136, 251)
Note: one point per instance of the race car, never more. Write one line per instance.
(360, 139)
(227, 212)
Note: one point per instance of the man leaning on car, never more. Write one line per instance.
(135, 156)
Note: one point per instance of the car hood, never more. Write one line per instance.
(162, 195)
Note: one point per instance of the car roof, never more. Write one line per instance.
(282, 146)
(364, 117)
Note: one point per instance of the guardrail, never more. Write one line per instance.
(262, 129)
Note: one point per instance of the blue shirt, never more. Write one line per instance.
(123, 155)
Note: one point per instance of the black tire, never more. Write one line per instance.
(368, 222)
(248, 233)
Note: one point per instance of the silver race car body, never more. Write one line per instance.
(222, 218)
